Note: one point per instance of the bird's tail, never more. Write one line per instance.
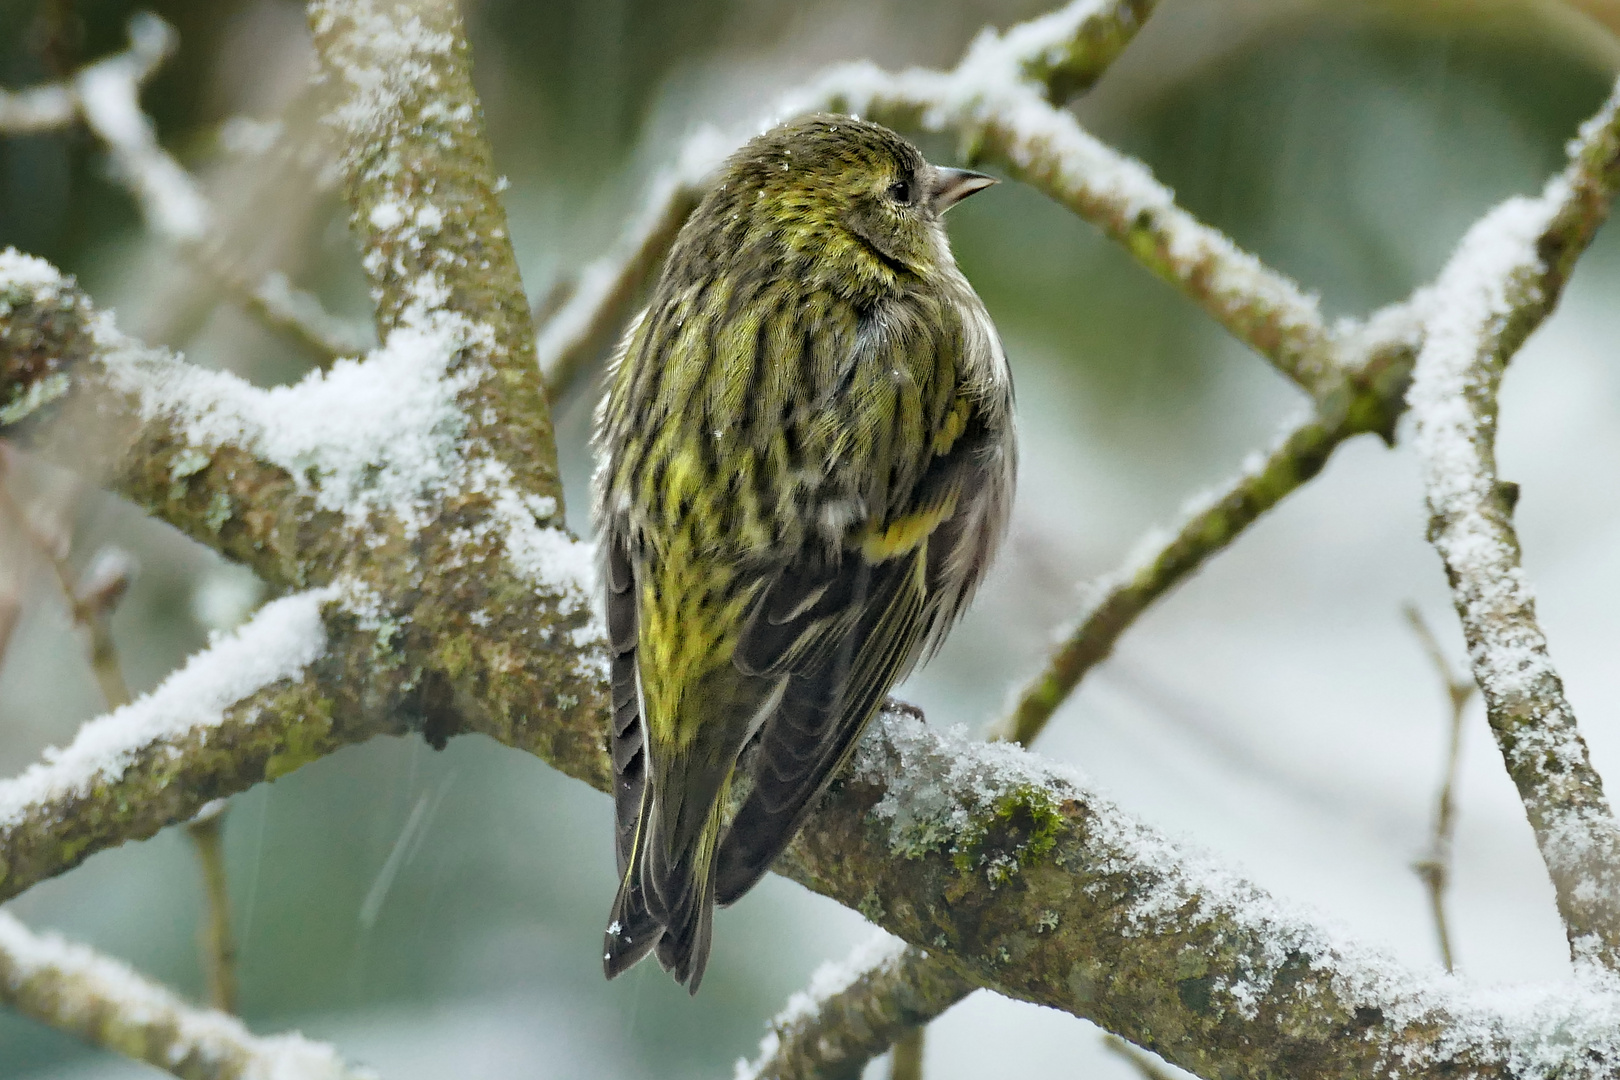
(680, 895)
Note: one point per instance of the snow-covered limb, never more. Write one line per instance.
(58, 105)
(245, 709)
(855, 1010)
(1043, 891)
(108, 96)
(424, 206)
(1504, 278)
(173, 438)
(106, 1003)
(1010, 123)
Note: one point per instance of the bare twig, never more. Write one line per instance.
(906, 1056)
(1435, 867)
(214, 937)
(91, 600)
(105, 1003)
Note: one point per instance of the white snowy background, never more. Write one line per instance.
(437, 914)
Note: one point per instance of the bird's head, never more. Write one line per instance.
(853, 195)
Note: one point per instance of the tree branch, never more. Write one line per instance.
(274, 695)
(105, 1003)
(883, 990)
(609, 290)
(1504, 279)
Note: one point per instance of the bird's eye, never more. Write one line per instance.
(900, 192)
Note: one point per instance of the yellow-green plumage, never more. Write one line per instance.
(806, 458)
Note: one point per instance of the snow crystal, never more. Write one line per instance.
(397, 62)
(285, 637)
(90, 983)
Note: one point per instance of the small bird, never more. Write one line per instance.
(806, 460)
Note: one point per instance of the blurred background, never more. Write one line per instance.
(438, 914)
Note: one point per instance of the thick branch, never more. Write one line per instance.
(1504, 279)
(103, 1002)
(421, 187)
(174, 439)
(1044, 892)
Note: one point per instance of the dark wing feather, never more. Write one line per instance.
(841, 654)
(632, 930)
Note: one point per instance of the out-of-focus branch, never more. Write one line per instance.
(1146, 1065)
(1052, 57)
(105, 95)
(1435, 867)
(105, 1003)
(882, 991)
(108, 97)
(215, 939)
(1213, 521)
(906, 1055)
(1504, 279)
(607, 292)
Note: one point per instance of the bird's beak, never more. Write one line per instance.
(951, 186)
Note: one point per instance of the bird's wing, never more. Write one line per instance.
(843, 628)
(632, 930)
(850, 631)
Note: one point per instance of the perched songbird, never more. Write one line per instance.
(806, 461)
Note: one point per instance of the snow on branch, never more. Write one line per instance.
(108, 94)
(1043, 891)
(78, 391)
(1010, 123)
(999, 102)
(854, 1010)
(609, 290)
(1503, 280)
(74, 989)
(142, 758)
(57, 105)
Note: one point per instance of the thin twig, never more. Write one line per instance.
(215, 938)
(906, 1056)
(1435, 867)
(91, 601)
(1146, 1065)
